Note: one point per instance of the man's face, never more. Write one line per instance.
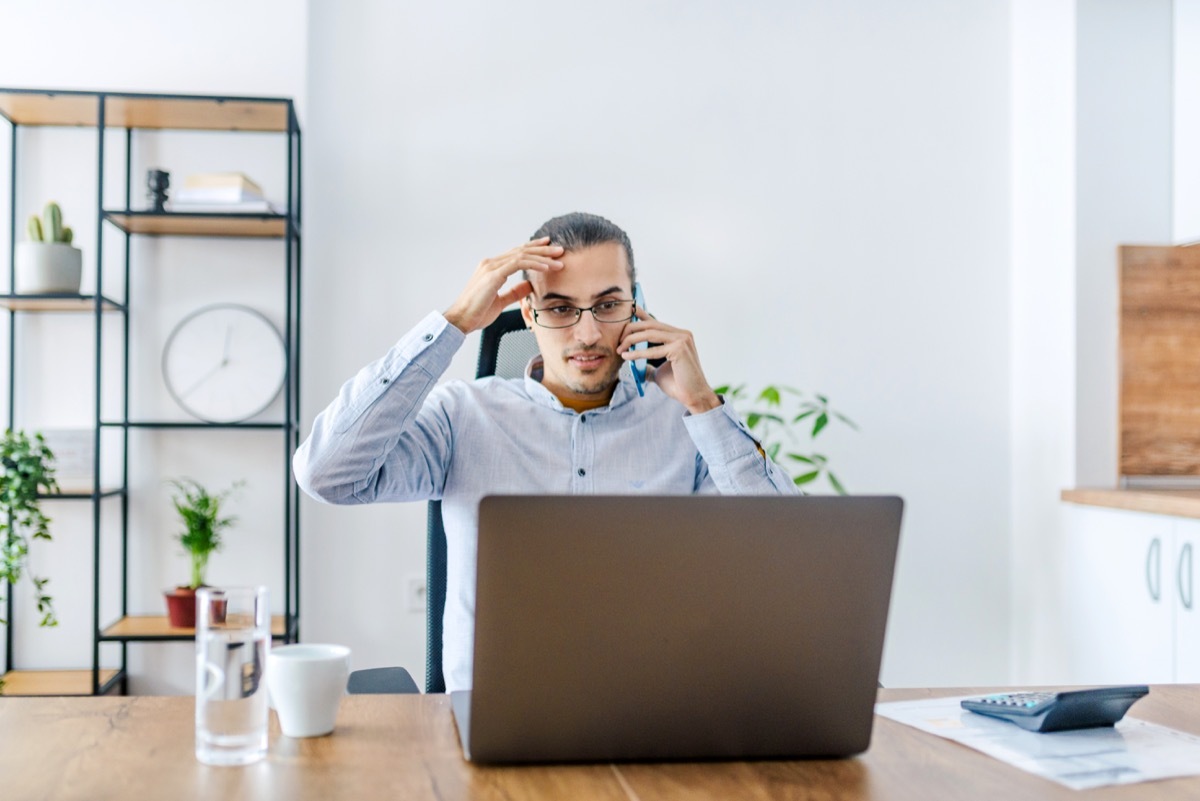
(581, 362)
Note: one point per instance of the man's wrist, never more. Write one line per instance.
(704, 404)
(455, 320)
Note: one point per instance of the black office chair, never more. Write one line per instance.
(504, 350)
(381, 681)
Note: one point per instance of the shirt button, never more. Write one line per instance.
(428, 337)
(582, 472)
(583, 418)
(383, 381)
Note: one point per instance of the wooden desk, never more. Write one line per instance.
(406, 747)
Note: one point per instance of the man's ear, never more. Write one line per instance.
(527, 310)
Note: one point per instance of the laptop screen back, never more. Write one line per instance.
(611, 628)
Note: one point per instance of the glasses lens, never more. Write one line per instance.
(613, 311)
(557, 316)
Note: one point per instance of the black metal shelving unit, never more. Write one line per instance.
(134, 112)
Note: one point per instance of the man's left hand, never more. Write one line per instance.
(681, 377)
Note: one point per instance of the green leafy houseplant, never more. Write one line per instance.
(200, 512)
(26, 472)
(787, 423)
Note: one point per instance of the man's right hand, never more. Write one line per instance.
(481, 301)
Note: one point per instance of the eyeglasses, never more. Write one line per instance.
(609, 311)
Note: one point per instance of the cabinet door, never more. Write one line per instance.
(1182, 585)
(1118, 602)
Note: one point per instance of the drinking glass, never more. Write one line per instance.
(233, 630)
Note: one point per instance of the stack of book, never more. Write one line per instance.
(220, 192)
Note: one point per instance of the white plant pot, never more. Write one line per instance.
(45, 268)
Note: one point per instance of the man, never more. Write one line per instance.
(574, 424)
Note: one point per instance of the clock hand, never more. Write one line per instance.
(225, 351)
(203, 378)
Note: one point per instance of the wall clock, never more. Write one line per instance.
(224, 363)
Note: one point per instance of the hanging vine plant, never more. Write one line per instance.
(26, 474)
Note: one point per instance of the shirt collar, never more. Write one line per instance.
(625, 390)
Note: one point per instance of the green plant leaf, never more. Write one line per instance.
(770, 395)
(806, 478)
(837, 485)
(773, 450)
(721, 390)
(847, 420)
(752, 419)
(824, 400)
(804, 415)
(822, 421)
(800, 458)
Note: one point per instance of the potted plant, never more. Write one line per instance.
(26, 473)
(780, 416)
(200, 512)
(47, 263)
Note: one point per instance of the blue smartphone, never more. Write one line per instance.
(638, 366)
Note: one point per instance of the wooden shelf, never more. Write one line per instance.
(56, 303)
(179, 112)
(76, 492)
(156, 627)
(53, 682)
(1178, 503)
(265, 425)
(273, 226)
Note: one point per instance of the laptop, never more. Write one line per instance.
(611, 628)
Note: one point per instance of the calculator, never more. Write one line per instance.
(1059, 711)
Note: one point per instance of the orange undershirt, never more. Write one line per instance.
(583, 405)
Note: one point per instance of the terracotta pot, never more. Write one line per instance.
(181, 608)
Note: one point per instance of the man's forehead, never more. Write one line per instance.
(588, 273)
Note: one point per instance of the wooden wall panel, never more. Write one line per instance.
(1160, 360)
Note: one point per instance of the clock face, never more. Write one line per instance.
(224, 363)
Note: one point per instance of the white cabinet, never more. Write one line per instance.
(1183, 590)
(1118, 604)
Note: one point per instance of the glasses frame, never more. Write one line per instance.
(579, 314)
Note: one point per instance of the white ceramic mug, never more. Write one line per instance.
(307, 683)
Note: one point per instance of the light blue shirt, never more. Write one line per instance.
(390, 435)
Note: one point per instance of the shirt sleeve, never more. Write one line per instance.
(379, 440)
(731, 461)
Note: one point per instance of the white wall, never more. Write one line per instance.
(819, 191)
(1123, 194)
(1043, 319)
(1093, 119)
(1186, 107)
(141, 45)
(882, 201)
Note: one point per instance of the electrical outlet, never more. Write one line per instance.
(416, 591)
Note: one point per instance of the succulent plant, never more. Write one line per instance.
(52, 230)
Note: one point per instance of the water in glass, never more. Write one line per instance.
(231, 690)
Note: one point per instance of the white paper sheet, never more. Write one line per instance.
(1132, 751)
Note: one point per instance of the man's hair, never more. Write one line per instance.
(579, 230)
